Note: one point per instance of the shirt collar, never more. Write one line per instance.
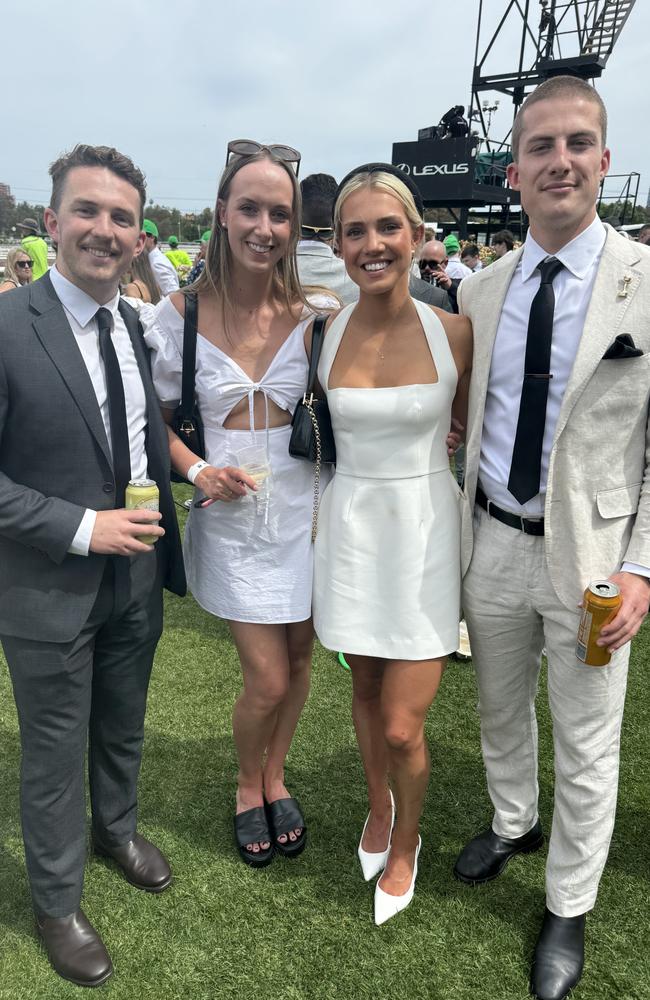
(577, 256)
(77, 302)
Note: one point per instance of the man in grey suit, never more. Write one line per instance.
(558, 496)
(80, 593)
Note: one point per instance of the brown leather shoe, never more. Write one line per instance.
(75, 949)
(142, 863)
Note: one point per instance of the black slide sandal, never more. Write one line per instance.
(284, 816)
(251, 828)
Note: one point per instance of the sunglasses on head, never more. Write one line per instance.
(248, 147)
(431, 264)
(24, 263)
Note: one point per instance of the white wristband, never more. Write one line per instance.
(194, 470)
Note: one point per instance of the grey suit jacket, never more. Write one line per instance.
(54, 463)
(597, 511)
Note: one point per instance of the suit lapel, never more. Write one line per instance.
(54, 332)
(607, 310)
(154, 420)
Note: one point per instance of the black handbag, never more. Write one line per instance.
(186, 421)
(311, 426)
(312, 437)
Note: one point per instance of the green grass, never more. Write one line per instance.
(303, 929)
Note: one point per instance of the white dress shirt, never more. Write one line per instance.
(456, 269)
(164, 271)
(80, 312)
(572, 287)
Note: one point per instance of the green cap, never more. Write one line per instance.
(205, 238)
(150, 228)
(173, 241)
(451, 243)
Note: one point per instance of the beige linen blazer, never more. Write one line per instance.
(597, 511)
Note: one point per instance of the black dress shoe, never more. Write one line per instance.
(559, 956)
(486, 856)
(75, 949)
(142, 863)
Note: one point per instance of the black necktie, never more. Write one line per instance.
(116, 406)
(527, 453)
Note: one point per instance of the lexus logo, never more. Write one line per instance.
(430, 169)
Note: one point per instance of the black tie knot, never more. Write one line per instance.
(104, 320)
(549, 268)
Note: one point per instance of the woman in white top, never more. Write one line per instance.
(248, 549)
(387, 558)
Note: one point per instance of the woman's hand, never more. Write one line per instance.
(225, 484)
(454, 437)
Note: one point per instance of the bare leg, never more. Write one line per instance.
(265, 668)
(300, 643)
(408, 688)
(367, 674)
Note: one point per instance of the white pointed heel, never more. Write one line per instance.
(374, 862)
(387, 906)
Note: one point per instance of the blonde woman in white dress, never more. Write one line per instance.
(248, 552)
(387, 567)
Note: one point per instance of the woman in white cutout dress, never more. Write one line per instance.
(248, 550)
(387, 555)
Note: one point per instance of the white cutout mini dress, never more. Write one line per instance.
(249, 561)
(387, 553)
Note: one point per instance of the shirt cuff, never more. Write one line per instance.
(80, 544)
(635, 568)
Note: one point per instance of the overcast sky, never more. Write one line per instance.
(170, 83)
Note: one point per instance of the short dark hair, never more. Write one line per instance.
(504, 236)
(559, 86)
(96, 156)
(318, 192)
(470, 250)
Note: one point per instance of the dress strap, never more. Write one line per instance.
(437, 341)
(331, 343)
(256, 387)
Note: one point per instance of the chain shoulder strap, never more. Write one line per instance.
(308, 404)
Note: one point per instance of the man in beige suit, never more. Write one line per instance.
(558, 495)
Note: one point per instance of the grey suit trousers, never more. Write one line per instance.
(90, 692)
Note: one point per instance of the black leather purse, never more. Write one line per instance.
(311, 426)
(186, 422)
(312, 437)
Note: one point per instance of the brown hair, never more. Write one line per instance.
(559, 86)
(142, 270)
(96, 156)
(216, 276)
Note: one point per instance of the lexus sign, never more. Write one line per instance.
(443, 169)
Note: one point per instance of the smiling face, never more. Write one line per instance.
(377, 240)
(257, 215)
(97, 229)
(560, 164)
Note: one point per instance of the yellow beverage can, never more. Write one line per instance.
(600, 602)
(143, 494)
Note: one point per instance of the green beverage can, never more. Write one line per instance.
(143, 494)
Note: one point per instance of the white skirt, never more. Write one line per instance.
(250, 560)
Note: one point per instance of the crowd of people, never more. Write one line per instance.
(537, 364)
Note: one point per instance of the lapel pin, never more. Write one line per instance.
(622, 292)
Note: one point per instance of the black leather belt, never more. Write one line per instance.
(525, 524)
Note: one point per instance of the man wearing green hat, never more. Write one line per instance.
(163, 269)
(179, 258)
(455, 268)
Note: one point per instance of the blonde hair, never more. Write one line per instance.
(379, 179)
(216, 276)
(10, 264)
